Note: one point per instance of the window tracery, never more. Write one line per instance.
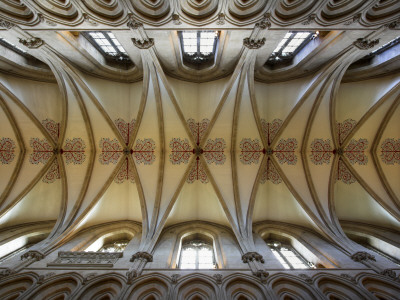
(288, 256)
(117, 246)
(199, 47)
(197, 254)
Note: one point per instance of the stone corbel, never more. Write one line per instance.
(253, 43)
(365, 44)
(32, 254)
(218, 278)
(144, 256)
(6, 272)
(132, 23)
(174, 278)
(265, 22)
(32, 43)
(252, 256)
(176, 19)
(362, 256)
(143, 44)
(389, 273)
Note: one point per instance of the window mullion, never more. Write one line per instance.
(286, 43)
(285, 259)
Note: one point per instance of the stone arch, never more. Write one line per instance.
(149, 288)
(243, 288)
(196, 286)
(62, 287)
(210, 230)
(104, 287)
(381, 288)
(337, 288)
(15, 287)
(288, 286)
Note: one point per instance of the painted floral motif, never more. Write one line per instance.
(270, 129)
(52, 128)
(197, 172)
(390, 151)
(42, 151)
(270, 173)
(125, 129)
(111, 151)
(344, 129)
(125, 173)
(53, 173)
(144, 151)
(355, 151)
(214, 151)
(74, 151)
(7, 150)
(284, 151)
(181, 151)
(344, 173)
(198, 129)
(321, 151)
(250, 151)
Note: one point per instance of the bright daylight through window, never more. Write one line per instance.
(288, 257)
(197, 255)
(290, 45)
(108, 45)
(199, 46)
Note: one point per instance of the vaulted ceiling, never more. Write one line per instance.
(312, 143)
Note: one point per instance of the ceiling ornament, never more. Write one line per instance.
(5, 24)
(270, 173)
(18, 11)
(154, 9)
(125, 173)
(56, 9)
(344, 174)
(7, 150)
(321, 151)
(338, 10)
(253, 43)
(365, 44)
(390, 151)
(108, 9)
(198, 9)
(383, 10)
(125, 129)
(53, 173)
(32, 43)
(290, 10)
(143, 44)
(243, 9)
(53, 128)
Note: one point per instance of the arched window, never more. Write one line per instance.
(372, 244)
(197, 253)
(288, 256)
(117, 246)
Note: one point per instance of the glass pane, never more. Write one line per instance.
(197, 255)
(189, 34)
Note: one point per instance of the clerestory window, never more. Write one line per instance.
(288, 256)
(197, 254)
(199, 47)
(117, 246)
(289, 46)
(108, 45)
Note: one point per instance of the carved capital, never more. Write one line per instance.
(252, 256)
(132, 23)
(176, 19)
(88, 278)
(306, 278)
(33, 254)
(221, 19)
(218, 278)
(6, 272)
(5, 24)
(393, 25)
(348, 277)
(131, 276)
(144, 256)
(310, 19)
(361, 256)
(262, 275)
(143, 44)
(32, 43)
(389, 273)
(174, 278)
(42, 278)
(253, 43)
(365, 44)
